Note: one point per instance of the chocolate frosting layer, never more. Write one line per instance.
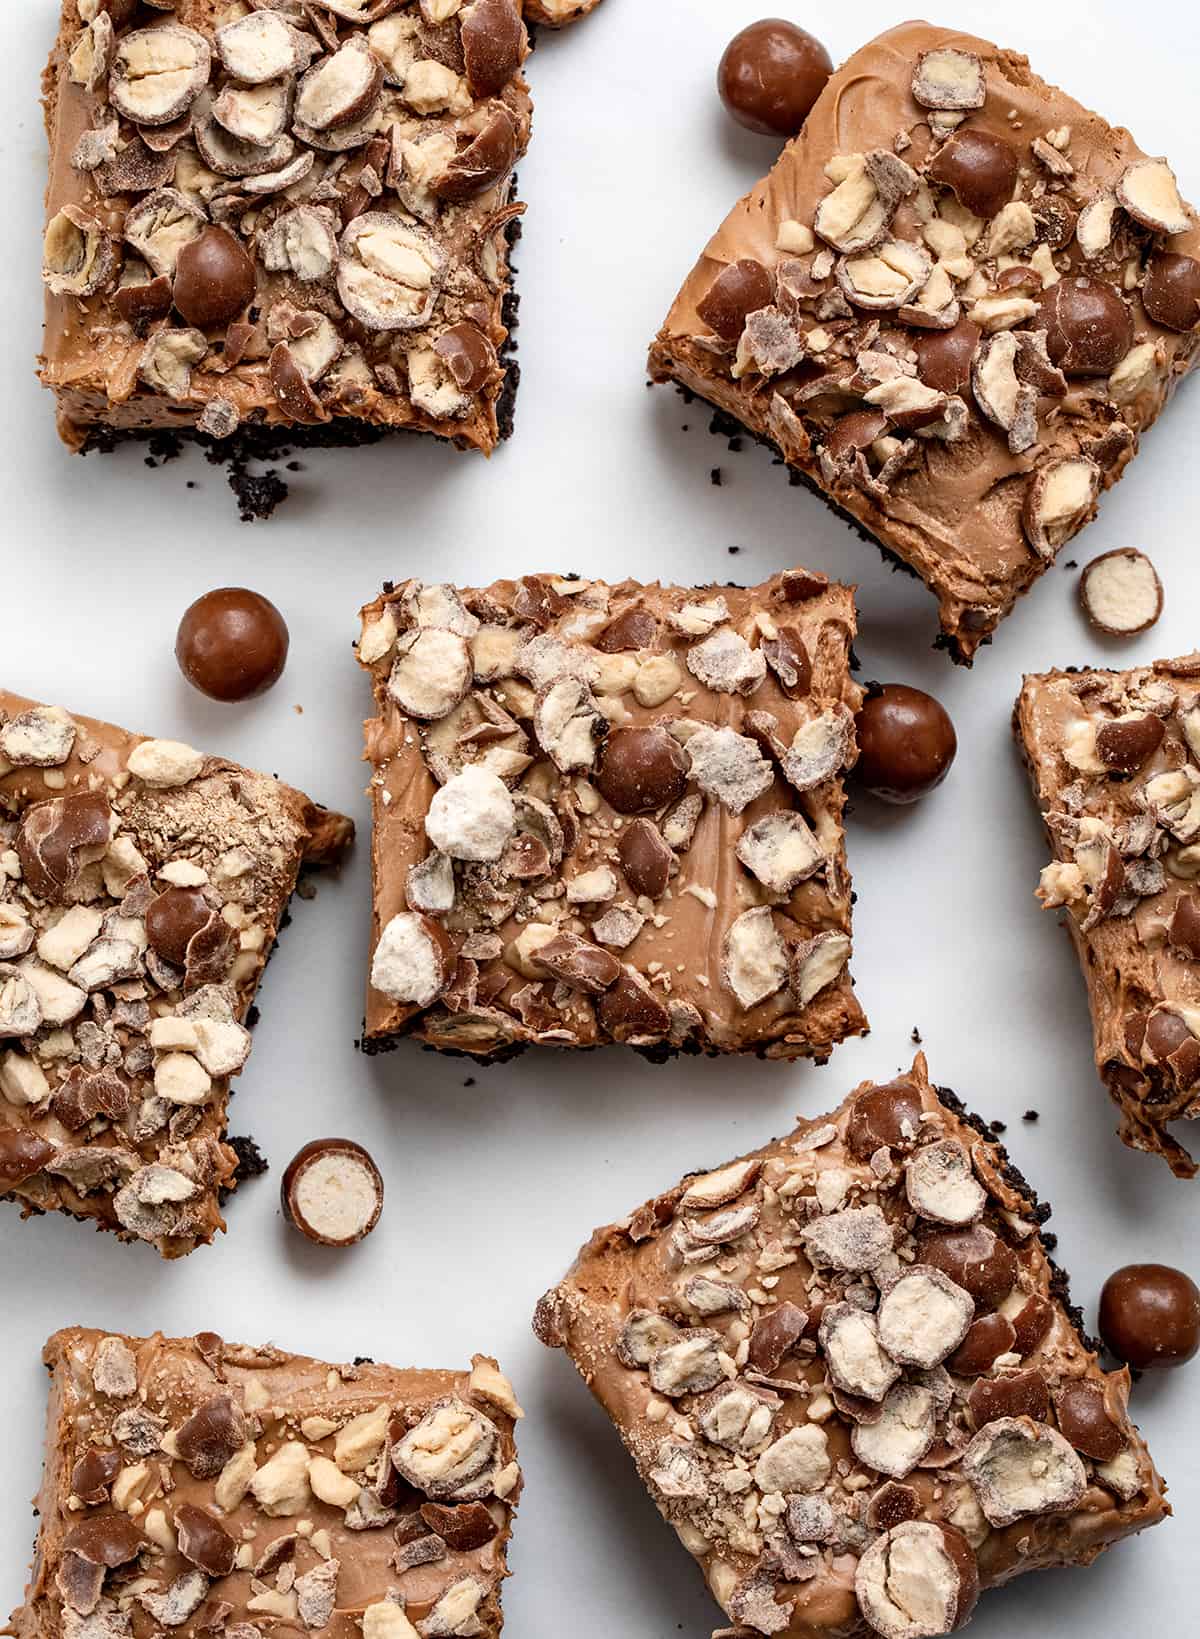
(815, 1229)
(947, 498)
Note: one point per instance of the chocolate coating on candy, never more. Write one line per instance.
(884, 1117)
(1019, 1394)
(1084, 1421)
(1171, 291)
(770, 76)
(21, 1155)
(944, 357)
(979, 168)
(1088, 327)
(1150, 1316)
(214, 279)
(173, 919)
(468, 355)
(975, 1259)
(641, 769)
(332, 1192)
(232, 644)
(906, 743)
(740, 288)
(494, 44)
(56, 836)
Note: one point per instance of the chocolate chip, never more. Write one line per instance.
(204, 1541)
(906, 743)
(645, 858)
(887, 1116)
(58, 837)
(979, 169)
(1171, 291)
(740, 288)
(232, 644)
(945, 356)
(974, 1258)
(641, 769)
(1088, 327)
(214, 279)
(771, 74)
(1150, 1316)
(1019, 1394)
(1084, 1421)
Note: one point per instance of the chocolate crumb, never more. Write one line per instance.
(1030, 1115)
(715, 478)
(916, 1037)
(251, 1161)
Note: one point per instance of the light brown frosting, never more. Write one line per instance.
(953, 514)
(635, 1264)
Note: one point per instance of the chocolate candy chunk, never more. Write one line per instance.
(1150, 1316)
(771, 74)
(332, 1192)
(232, 644)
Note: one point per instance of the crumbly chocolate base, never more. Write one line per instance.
(791, 1454)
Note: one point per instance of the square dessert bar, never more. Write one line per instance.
(292, 217)
(953, 306)
(1114, 758)
(216, 1489)
(142, 885)
(611, 813)
(851, 1377)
